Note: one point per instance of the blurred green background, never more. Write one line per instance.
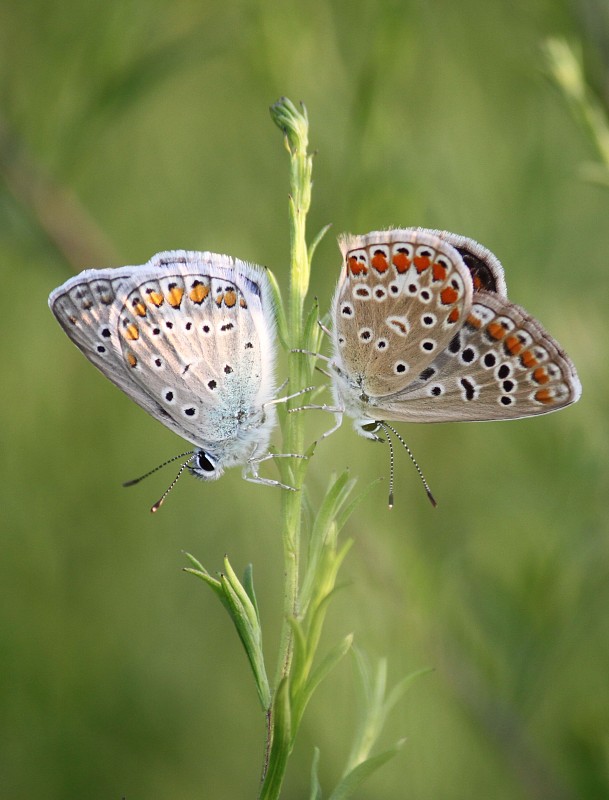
(132, 126)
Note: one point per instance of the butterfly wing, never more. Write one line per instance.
(401, 297)
(501, 365)
(189, 336)
(484, 267)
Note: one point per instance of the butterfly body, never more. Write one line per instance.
(190, 337)
(423, 332)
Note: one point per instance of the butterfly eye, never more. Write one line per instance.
(205, 466)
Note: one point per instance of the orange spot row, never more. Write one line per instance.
(474, 321)
(139, 308)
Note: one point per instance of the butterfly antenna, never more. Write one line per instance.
(391, 466)
(432, 499)
(161, 500)
(160, 466)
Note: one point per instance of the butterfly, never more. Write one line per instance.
(190, 337)
(423, 331)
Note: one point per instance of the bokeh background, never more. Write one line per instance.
(133, 126)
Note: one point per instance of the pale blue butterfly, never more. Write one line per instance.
(423, 331)
(190, 337)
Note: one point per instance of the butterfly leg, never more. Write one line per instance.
(338, 415)
(250, 470)
(324, 328)
(289, 396)
(311, 353)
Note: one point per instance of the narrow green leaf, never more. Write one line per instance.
(327, 664)
(354, 779)
(344, 513)
(280, 748)
(248, 585)
(244, 600)
(195, 562)
(315, 785)
(300, 657)
(335, 497)
(279, 309)
(317, 240)
(311, 338)
(200, 572)
(251, 638)
(400, 689)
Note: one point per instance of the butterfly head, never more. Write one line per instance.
(369, 428)
(205, 466)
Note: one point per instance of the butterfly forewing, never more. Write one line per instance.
(183, 336)
(402, 296)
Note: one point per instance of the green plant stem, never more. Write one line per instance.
(294, 125)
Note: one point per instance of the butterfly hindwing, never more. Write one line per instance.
(501, 365)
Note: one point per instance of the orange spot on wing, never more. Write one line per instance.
(544, 396)
(242, 302)
(131, 359)
(477, 282)
(356, 267)
(474, 322)
(513, 345)
(401, 262)
(495, 330)
(449, 295)
(528, 360)
(422, 263)
(139, 308)
(439, 271)
(230, 298)
(454, 315)
(540, 375)
(198, 292)
(174, 296)
(156, 298)
(132, 332)
(379, 262)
